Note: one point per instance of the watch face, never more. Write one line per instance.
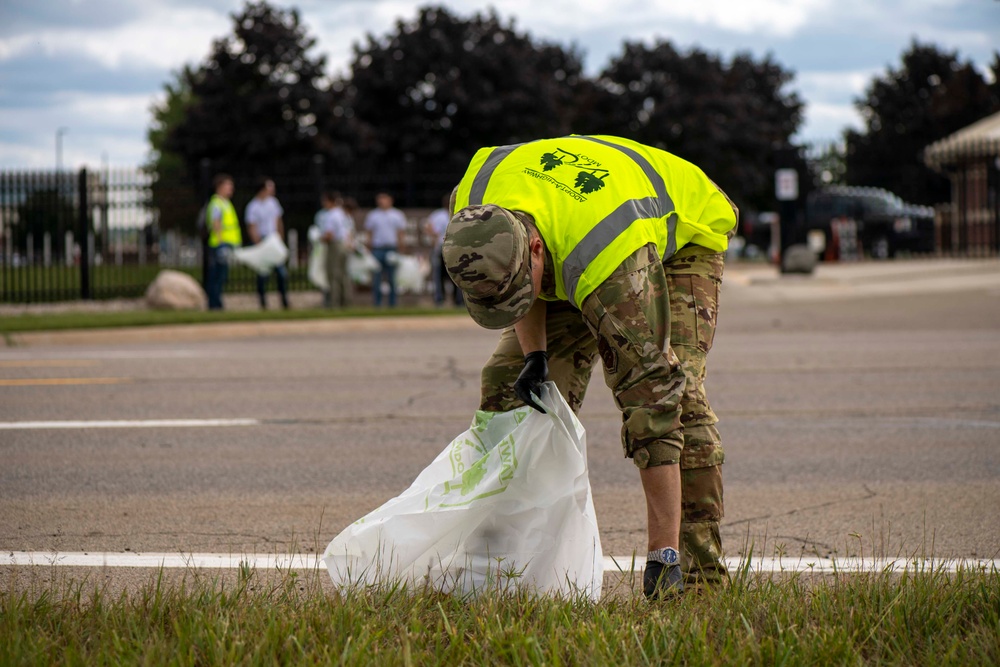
(666, 556)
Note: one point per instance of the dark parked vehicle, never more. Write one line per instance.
(886, 225)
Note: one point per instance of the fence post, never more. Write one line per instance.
(293, 248)
(319, 175)
(85, 238)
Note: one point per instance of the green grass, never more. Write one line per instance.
(140, 318)
(879, 619)
(38, 284)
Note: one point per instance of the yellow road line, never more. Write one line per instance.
(48, 363)
(29, 382)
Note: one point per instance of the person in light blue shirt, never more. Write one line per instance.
(264, 217)
(386, 227)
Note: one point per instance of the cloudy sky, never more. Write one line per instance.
(94, 67)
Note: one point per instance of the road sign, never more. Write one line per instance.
(786, 184)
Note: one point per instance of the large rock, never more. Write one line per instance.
(173, 290)
(798, 259)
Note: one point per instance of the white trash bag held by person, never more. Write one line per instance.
(317, 259)
(506, 505)
(411, 274)
(360, 265)
(264, 256)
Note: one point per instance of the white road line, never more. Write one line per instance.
(611, 564)
(141, 423)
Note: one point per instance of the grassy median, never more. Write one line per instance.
(929, 618)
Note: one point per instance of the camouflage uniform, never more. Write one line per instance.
(652, 324)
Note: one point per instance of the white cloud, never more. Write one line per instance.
(951, 24)
(98, 125)
(826, 122)
(164, 38)
(819, 87)
(17, 155)
(773, 17)
(166, 34)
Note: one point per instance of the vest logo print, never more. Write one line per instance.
(589, 176)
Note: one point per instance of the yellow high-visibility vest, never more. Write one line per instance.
(229, 229)
(598, 199)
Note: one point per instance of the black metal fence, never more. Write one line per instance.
(102, 234)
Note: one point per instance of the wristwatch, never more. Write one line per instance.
(666, 556)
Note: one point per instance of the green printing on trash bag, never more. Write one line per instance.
(471, 478)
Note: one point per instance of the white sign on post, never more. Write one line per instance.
(786, 184)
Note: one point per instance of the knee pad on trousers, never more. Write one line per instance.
(657, 453)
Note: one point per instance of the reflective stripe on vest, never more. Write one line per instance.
(613, 225)
(607, 229)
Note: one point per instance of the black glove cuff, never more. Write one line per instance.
(531, 356)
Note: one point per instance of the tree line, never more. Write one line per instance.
(416, 102)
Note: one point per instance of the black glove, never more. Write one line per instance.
(536, 369)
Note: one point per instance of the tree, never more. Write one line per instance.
(440, 86)
(50, 211)
(174, 192)
(255, 106)
(728, 118)
(826, 164)
(931, 95)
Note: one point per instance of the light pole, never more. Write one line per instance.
(59, 135)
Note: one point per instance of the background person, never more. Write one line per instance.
(223, 235)
(386, 227)
(624, 244)
(263, 218)
(337, 229)
(436, 224)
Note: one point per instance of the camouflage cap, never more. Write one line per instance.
(486, 252)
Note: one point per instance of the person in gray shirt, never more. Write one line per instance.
(264, 217)
(385, 226)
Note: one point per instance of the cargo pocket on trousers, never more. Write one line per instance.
(694, 307)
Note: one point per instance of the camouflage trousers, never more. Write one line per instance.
(652, 324)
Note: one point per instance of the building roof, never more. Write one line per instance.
(981, 139)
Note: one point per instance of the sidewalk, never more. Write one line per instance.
(859, 280)
(744, 282)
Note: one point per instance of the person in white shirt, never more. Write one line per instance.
(263, 218)
(436, 223)
(337, 232)
(385, 226)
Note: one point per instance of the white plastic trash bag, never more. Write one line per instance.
(411, 274)
(360, 265)
(506, 505)
(317, 260)
(264, 256)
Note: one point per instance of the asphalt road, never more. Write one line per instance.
(855, 423)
